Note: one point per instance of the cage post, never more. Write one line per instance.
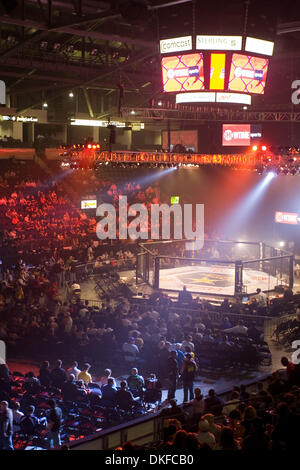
(147, 267)
(238, 278)
(261, 255)
(291, 279)
(137, 269)
(156, 272)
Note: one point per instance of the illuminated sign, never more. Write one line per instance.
(217, 71)
(237, 98)
(183, 73)
(222, 43)
(176, 44)
(240, 134)
(202, 97)
(98, 123)
(2, 92)
(89, 204)
(287, 218)
(212, 97)
(248, 74)
(19, 118)
(259, 46)
(174, 199)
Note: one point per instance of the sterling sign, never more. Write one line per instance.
(176, 44)
(224, 43)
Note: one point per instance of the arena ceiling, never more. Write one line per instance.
(103, 49)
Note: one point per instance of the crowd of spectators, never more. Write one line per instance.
(60, 404)
(57, 405)
(263, 418)
(35, 319)
(168, 342)
(38, 211)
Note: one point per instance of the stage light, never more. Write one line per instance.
(244, 210)
(270, 175)
(45, 105)
(71, 94)
(264, 148)
(254, 148)
(132, 111)
(281, 244)
(245, 107)
(159, 103)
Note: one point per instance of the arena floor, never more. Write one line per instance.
(214, 279)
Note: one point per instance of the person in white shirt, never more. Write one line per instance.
(17, 416)
(239, 329)
(204, 436)
(73, 370)
(187, 343)
(231, 404)
(105, 377)
(130, 349)
(261, 298)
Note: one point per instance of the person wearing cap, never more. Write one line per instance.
(6, 427)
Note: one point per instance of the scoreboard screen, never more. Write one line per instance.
(215, 69)
(183, 73)
(248, 74)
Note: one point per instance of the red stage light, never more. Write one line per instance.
(89, 146)
(254, 148)
(94, 146)
(98, 146)
(264, 148)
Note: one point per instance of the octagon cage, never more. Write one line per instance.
(219, 268)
